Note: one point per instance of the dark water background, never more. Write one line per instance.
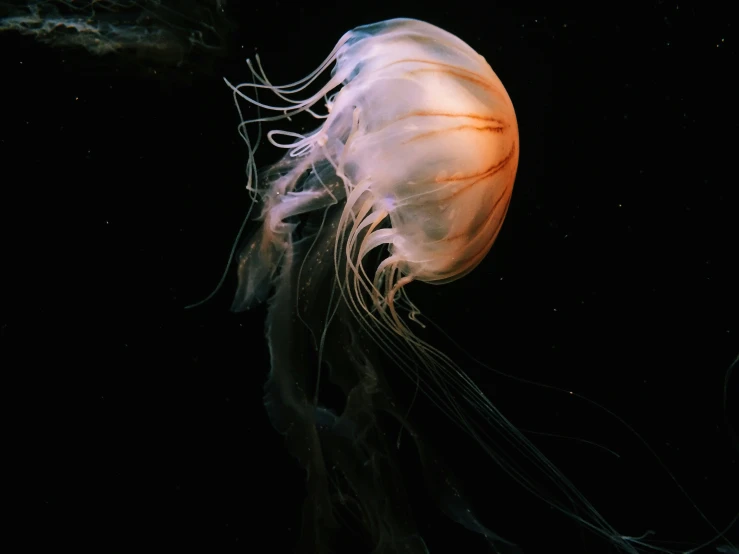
(122, 189)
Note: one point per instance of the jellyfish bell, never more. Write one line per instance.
(407, 178)
(421, 133)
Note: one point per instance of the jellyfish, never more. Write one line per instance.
(407, 179)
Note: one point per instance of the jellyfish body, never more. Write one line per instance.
(408, 178)
(422, 134)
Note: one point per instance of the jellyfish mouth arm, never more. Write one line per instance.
(263, 256)
(297, 203)
(277, 231)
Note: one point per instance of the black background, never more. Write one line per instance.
(141, 424)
